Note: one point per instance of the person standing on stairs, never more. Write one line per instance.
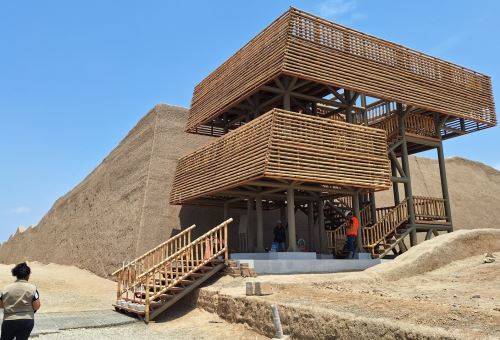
(20, 301)
(352, 228)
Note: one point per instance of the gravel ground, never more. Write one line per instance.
(183, 323)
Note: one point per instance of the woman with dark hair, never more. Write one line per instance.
(20, 300)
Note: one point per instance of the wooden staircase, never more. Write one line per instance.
(392, 226)
(151, 283)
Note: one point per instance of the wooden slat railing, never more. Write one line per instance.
(386, 225)
(381, 212)
(127, 275)
(180, 265)
(336, 238)
(379, 111)
(429, 208)
(416, 123)
(388, 220)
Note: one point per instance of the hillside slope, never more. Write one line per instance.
(474, 189)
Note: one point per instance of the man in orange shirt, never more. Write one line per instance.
(352, 226)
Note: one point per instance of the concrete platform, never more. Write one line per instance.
(282, 266)
(49, 323)
(274, 256)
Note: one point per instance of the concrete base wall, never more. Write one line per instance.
(274, 256)
(309, 266)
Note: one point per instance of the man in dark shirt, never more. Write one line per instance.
(280, 236)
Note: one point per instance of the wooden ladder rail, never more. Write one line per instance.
(182, 264)
(336, 238)
(127, 275)
(385, 226)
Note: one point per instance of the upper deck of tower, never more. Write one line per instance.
(321, 59)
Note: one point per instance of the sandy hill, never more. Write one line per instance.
(121, 209)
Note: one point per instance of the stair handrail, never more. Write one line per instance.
(185, 232)
(386, 225)
(189, 259)
(340, 232)
(204, 236)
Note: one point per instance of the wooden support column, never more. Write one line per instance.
(395, 185)
(260, 224)
(365, 114)
(290, 204)
(310, 224)
(355, 208)
(286, 100)
(323, 243)
(226, 210)
(373, 207)
(348, 109)
(444, 182)
(406, 170)
(250, 226)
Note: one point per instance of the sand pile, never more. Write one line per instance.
(439, 252)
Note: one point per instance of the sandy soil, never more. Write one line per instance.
(456, 293)
(65, 288)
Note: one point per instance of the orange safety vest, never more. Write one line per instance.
(352, 230)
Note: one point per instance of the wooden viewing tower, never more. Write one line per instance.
(314, 116)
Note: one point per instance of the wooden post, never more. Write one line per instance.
(321, 226)
(444, 182)
(363, 104)
(395, 185)
(283, 216)
(310, 224)
(286, 100)
(373, 207)
(226, 250)
(290, 204)
(146, 308)
(406, 169)
(355, 208)
(260, 224)
(250, 227)
(226, 210)
(119, 281)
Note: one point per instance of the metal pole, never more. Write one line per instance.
(277, 322)
(290, 204)
(444, 182)
(260, 224)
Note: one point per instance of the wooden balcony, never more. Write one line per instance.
(285, 147)
(321, 54)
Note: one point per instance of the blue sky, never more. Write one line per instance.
(76, 76)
